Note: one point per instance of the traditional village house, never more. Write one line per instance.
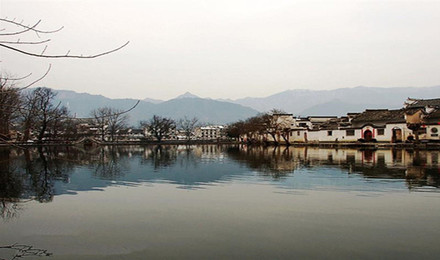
(420, 116)
(315, 129)
(381, 125)
(299, 130)
(130, 134)
(423, 117)
(328, 131)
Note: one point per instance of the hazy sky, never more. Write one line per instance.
(231, 49)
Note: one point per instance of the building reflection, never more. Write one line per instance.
(418, 168)
(277, 162)
(39, 174)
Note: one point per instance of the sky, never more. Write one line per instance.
(229, 48)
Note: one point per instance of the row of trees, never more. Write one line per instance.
(32, 111)
(162, 127)
(27, 111)
(35, 115)
(253, 128)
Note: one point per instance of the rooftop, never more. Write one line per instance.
(415, 103)
(381, 115)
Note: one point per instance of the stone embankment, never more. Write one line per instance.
(335, 145)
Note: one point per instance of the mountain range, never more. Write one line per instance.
(338, 101)
(206, 110)
(298, 102)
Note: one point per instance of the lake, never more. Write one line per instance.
(218, 202)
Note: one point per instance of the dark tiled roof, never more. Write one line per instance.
(433, 115)
(413, 110)
(424, 103)
(380, 115)
(137, 131)
(332, 124)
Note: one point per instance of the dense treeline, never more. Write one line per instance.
(255, 129)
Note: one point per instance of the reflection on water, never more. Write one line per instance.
(225, 201)
(41, 173)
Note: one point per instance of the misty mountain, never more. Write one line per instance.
(152, 100)
(187, 95)
(338, 101)
(206, 110)
(298, 102)
(336, 107)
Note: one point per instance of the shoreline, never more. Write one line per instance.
(335, 145)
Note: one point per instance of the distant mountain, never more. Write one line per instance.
(152, 100)
(187, 95)
(206, 110)
(338, 101)
(335, 107)
(298, 102)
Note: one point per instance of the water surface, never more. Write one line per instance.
(234, 202)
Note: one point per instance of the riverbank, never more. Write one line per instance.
(93, 142)
(335, 145)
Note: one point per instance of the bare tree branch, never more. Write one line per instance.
(66, 55)
(33, 28)
(15, 79)
(113, 114)
(8, 43)
(22, 31)
(25, 43)
(37, 80)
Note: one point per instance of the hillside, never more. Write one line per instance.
(206, 110)
(338, 101)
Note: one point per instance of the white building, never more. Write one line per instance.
(213, 132)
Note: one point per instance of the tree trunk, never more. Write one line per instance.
(42, 130)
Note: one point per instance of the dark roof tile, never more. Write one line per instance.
(423, 103)
(382, 115)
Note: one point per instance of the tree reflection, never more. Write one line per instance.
(110, 163)
(33, 173)
(161, 156)
(11, 187)
(46, 168)
(33, 180)
(276, 162)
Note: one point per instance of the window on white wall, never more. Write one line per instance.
(434, 131)
(349, 132)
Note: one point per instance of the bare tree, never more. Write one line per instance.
(159, 127)
(10, 38)
(101, 120)
(110, 120)
(9, 105)
(188, 125)
(28, 114)
(276, 125)
(116, 122)
(44, 114)
(11, 34)
(235, 130)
